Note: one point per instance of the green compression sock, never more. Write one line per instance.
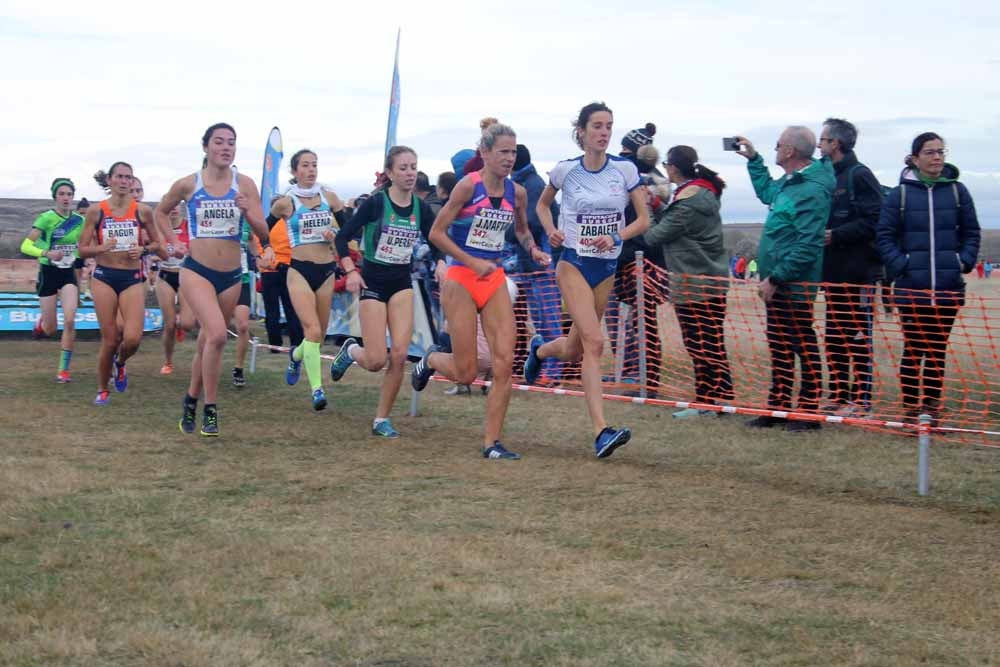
(299, 352)
(64, 359)
(314, 365)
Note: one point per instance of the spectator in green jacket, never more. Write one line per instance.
(790, 262)
(689, 230)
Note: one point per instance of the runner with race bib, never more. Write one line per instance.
(53, 240)
(219, 200)
(111, 234)
(390, 223)
(309, 210)
(596, 188)
(470, 229)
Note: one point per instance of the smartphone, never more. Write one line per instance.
(730, 144)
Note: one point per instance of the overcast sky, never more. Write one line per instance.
(141, 84)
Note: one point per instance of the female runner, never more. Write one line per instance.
(112, 234)
(219, 199)
(597, 188)
(309, 210)
(53, 240)
(391, 224)
(470, 229)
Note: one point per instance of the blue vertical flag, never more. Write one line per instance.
(390, 130)
(272, 163)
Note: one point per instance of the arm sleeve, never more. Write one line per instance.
(887, 235)
(342, 217)
(271, 221)
(969, 232)
(764, 186)
(352, 229)
(811, 213)
(29, 248)
(867, 206)
(668, 225)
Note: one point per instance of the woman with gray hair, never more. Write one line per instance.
(471, 230)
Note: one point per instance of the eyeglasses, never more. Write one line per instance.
(931, 152)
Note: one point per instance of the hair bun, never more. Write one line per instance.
(650, 129)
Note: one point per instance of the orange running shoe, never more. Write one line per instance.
(167, 369)
(63, 377)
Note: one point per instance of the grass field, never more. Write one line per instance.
(296, 539)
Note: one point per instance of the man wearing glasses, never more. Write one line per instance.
(790, 254)
(852, 265)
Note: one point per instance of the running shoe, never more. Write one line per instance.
(294, 369)
(319, 400)
(459, 390)
(63, 377)
(167, 369)
(384, 429)
(37, 332)
(533, 365)
(610, 439)
(342, 361)
(422, 371)
(210, 422)
(498, 451)
(187, 419)
(121, 376)
(102, 398)
(238, 379)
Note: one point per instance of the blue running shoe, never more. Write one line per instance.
(186, 424)
(294, 369)
(533, 365)
(384, 429)
(422, 371)
(342, 361)
(121, 376)
(210, 422)
(102, 398)
(609, 440)
(319, 400)
(498, 451)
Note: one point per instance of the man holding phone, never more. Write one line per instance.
(791, 253)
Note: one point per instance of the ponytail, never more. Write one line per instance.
(685, 160)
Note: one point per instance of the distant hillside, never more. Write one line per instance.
(16, 216)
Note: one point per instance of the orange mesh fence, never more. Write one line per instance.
(859, 355)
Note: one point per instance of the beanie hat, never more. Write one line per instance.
(523, 158)
(641, 137)
(459, 159)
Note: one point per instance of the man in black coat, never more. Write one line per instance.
(851, 263)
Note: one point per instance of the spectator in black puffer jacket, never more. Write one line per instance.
(928, 236)
(850, 267)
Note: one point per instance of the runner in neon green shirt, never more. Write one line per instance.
(54, 239)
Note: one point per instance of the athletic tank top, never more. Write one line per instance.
(593, 202)
(391, 240)
(480, 229)
(215, 217)
(124, 229)
(306, 224)
(182, 237)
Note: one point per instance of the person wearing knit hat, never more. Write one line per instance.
(635, 139)
(53, 241)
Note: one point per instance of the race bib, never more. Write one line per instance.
(489, 229)
(125, 234)
(312, 225)
(217, 219)
(591, 227)
(69, 255)
(396, 245)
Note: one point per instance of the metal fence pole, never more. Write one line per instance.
(621, 337)
(253, 354)
(923, 458)
(640, 314)
(415, 403)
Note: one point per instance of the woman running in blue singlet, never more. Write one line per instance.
(597, 188)
(309, 211)
(219, 200)
(471, 230)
